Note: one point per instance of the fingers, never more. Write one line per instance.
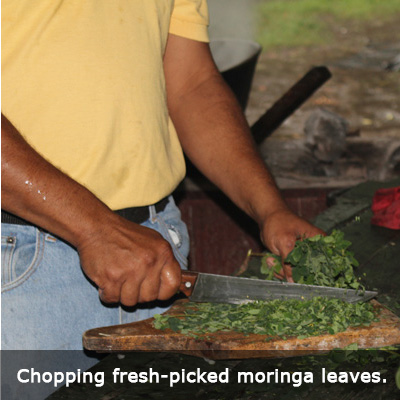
(133, 265)
(159, 279)
(284, 273)
(148, 290)
(109, 295)
(161, 286)
(280, 231)
(154, 287)
(286, 245)
(283, 229)
(130, 294)
(287, 272)
(170, 280)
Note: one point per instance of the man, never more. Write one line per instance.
(99, 99)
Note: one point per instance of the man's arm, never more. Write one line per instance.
(216, 137)
(128, 262)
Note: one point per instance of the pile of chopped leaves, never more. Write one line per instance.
(320, 260)
(273, 318)
(324, 261)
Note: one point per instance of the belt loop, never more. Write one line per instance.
(153, 213)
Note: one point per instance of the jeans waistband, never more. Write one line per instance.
(137, 215)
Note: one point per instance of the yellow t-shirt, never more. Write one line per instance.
(83, 82)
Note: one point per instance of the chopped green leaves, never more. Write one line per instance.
(319, 260)
(273, 318)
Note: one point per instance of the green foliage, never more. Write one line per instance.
(324, 261)
(266, 269)
(319, 260)
(282, 318)
(305, 22)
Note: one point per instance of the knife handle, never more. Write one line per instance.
(187, 282)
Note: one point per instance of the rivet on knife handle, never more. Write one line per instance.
(187, 282)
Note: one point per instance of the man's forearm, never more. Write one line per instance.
(216, 137)
(35, 190)
(129, 263)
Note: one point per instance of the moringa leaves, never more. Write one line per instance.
(321, 260)
(324, 261)
(273, 318)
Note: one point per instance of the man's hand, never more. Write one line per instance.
(130, 264)
(279, 233)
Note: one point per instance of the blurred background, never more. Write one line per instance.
(359, 42)
(338, 129)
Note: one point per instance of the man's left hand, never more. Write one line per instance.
(280, 231)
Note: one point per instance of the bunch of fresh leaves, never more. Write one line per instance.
(282, 318)
(320, 260)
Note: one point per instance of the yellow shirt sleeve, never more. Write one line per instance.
(190, 20)
(83, 82)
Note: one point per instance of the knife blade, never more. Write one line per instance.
(212, 288)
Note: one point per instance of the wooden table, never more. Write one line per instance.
(377, 249)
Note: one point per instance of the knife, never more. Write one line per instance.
(211, 288)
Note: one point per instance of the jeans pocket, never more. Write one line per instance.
(8, 243)
(20, 256)
(178, 237)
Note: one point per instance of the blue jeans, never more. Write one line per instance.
(47, 301)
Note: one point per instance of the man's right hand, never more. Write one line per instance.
(130, 263)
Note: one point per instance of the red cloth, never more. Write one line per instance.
(386, 208)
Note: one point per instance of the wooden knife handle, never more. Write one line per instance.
(187, 282)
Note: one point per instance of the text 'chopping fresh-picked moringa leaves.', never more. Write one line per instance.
(320, 260)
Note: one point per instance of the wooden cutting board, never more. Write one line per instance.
(142, 336)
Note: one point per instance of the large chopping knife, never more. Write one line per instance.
(210, 288)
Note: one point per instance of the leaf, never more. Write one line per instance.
(273, 318)
(319, 260)
(266, 269)
(324, 261)
(351, 346)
